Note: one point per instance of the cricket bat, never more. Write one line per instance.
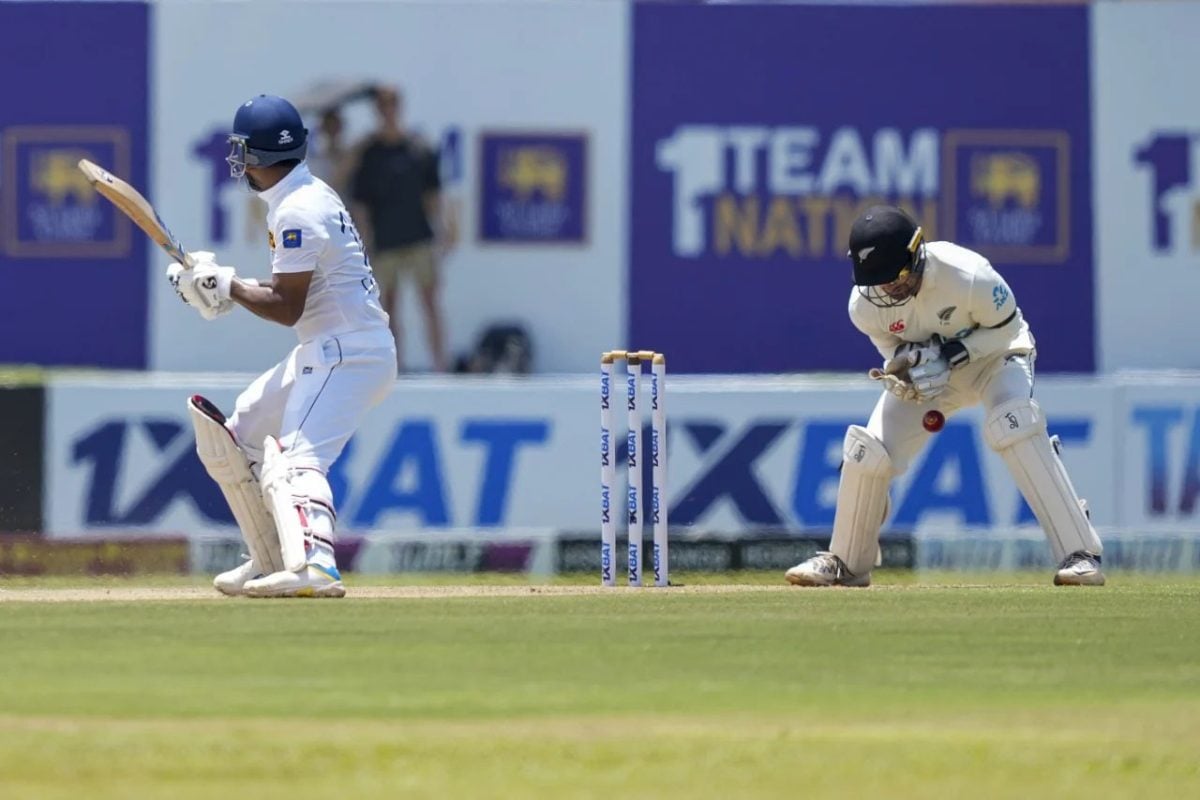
(137, 208)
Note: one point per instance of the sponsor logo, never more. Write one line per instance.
(999, 296)
(533, 187)
(757, 191)
(306, 371)
(634, 510)
(285, 137)
(896, 326)
(271, 239)
(1013, 424)
(606, 561)
(945, 314)
(1172, 161)
(1172, 448)
(605, 447)
(866, 251)
(137, 471)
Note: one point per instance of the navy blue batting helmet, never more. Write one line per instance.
(266, 130)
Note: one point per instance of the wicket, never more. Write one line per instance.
(608, 470)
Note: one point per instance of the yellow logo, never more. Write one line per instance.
(526, 170)
(271, 238)
(1001, 177)
(56, 176)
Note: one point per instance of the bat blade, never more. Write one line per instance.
(133, 205)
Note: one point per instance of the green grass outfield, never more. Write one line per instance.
(946, 687)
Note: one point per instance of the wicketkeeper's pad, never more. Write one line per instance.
(1017, 431)
(862, 500)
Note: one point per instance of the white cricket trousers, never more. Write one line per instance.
(990, 382)
(315, 399)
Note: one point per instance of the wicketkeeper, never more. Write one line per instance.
(951, 336)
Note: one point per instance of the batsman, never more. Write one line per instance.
(271, 456)
(951, 336)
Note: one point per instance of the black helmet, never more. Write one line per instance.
(883, 243)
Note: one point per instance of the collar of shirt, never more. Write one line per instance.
(297, 176)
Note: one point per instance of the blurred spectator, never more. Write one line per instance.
(333, 162)
(397, 190)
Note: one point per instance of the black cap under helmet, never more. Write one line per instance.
(883, 243)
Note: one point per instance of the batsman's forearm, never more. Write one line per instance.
(265, 302)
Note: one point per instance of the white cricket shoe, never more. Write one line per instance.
(312, 581)
(825, 569)
(1081, 568)
(233, 582)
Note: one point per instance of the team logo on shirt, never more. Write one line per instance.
(291, 238)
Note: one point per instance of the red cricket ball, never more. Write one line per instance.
(933, 420)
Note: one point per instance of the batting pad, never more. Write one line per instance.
(228, 466)
(290, 508)
(862, 500)
(1017, 431)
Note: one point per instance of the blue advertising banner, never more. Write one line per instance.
(73, 269)
(760, 133)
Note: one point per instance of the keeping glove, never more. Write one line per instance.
(894, 375)
(930, 378)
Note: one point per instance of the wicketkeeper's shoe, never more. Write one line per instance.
(1081, 568)
(825, 569)
(314, 580)
(233, 582)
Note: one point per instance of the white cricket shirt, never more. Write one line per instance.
(961, 297)
(310, 230)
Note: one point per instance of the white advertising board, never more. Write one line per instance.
(753, 454)
(475, 76)
(1146, 166)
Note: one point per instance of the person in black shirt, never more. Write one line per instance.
(398, 187)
